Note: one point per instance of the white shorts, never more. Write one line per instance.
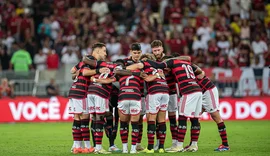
(143, 109)
(78, 106)
(156, 102)
(172, 105)
(131, 107)
(210, 100)
(97, 104)
(190, 105)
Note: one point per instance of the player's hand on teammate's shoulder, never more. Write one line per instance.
(143, 74)
(104, 70)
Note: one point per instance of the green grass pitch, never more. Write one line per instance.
(48, 139)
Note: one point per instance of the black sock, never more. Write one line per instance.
(93, 132)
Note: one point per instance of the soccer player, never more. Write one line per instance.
(158, 52)
(110, 127)
(191, 101)
(98, 94)
(79, 107)
(156, 103)
(129, 106)
(136, 54)
(210, 104)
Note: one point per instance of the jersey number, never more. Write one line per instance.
(189, 71)
(128, 78)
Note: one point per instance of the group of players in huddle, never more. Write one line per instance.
(150, 84)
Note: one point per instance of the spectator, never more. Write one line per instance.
(245, 8)
(52, 60)
(226, 62)
(21, 61)
(200, 59)
(223, 44)
(26, 23)
(256, 63)
(12, 23)
(69, 57)
(55, 27)
(267, 57)
(145, 45)
(40, 60)
(198, 44)
(52, 89)
(4, 58)
(245, 30)
(258, 9)
(114, 47)
(234, 8)
(259, 48)
(205, 32)
(8, 41)
(235, 25)
(101, 9)
(243, 59)
(6, 89)
(44, 28)
(213, 53)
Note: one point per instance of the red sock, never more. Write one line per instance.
(173, 127)
(223, 133)
(182, 128)
(124, 131)
(76, 130)
(151, 129)
(162, 134)
(140, 133)
(135, 132)
(99, 132)
(85, 129)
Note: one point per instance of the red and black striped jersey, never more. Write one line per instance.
(129, 61)
(205, 83)
(130, 87)
(78, 90)
(102, 90)
(159, 85)
(184, 75)
(171, 83)
(170, 79)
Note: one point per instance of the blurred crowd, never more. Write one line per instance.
(45, 34)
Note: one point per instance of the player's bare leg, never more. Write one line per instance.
(222, 131)
(86, 133)
(161, 118)
(124, 129)
(135, 132)
(77, 135)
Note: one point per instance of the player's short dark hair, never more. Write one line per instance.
(98, 45)
(135, 46)
(167, 57)
(175, 54)
(120, 62)
(156, 43)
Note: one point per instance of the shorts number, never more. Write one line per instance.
(127, 80)
(189, 71)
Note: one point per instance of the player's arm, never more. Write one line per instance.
(135, 66)
(103, 81)
(199, 73)
(149, 78)
(90, 72)
(122, 72)
(92, 63)
(157, 65)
